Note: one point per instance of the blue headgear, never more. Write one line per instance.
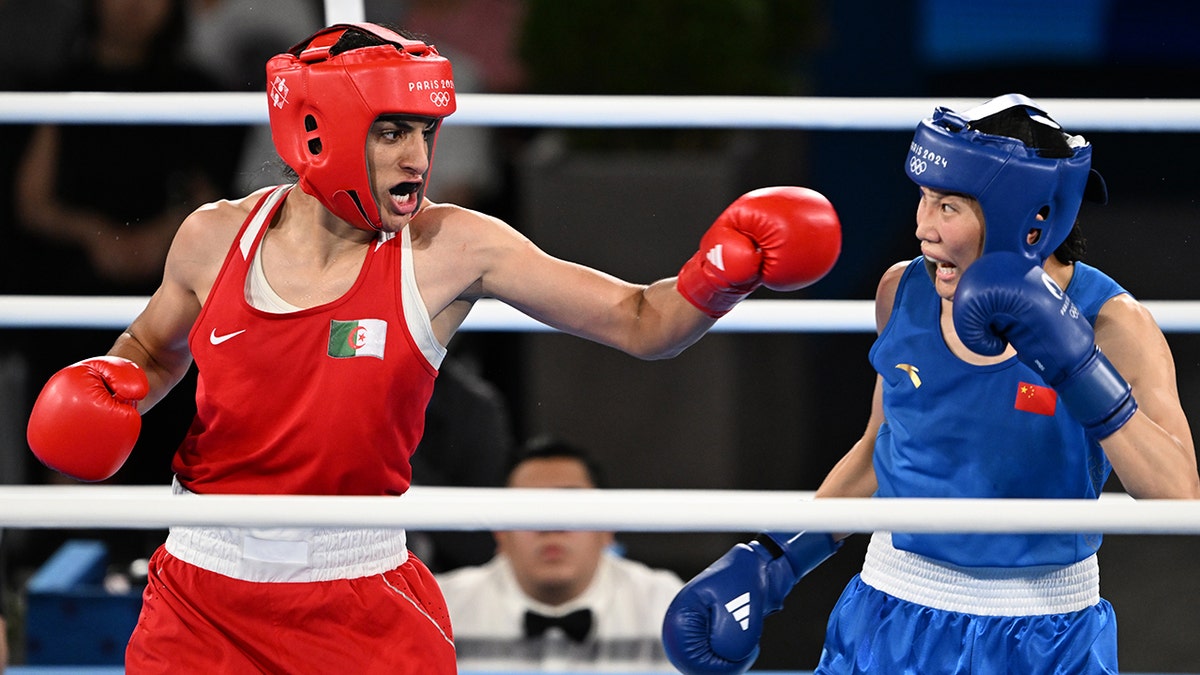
(1012, 181)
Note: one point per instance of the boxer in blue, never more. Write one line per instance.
(1006, 369)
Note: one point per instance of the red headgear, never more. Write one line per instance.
(322, 106)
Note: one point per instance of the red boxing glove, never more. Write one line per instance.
(784, 238)
(85, 421)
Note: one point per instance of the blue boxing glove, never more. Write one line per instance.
(1003, 298)
(715, 621)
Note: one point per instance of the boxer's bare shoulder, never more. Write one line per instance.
(204, 239)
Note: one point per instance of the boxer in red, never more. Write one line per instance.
(317, 315)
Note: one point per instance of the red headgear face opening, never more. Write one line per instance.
(322, 106)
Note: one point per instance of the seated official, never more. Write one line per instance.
(558, 601)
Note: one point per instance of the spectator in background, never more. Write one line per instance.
(45, 28)
(98, 205)
(74, 181)
(560, 600)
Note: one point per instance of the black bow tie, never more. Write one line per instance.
(576, 625)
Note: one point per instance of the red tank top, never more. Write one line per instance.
(329, 400)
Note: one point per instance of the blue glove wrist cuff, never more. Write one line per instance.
(804, 550)
(1098, 397)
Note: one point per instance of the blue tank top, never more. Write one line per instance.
(958, 430)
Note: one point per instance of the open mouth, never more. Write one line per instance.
(946, 271)
(404, 196)
(940, 270)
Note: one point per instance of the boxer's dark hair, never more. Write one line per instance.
(355, 38)
(1049, 141)
(1073, 247)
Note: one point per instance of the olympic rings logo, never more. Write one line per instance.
(440, 99)
(917, 166)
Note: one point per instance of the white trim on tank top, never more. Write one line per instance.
(261, 296)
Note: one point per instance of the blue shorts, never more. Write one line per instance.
(873, 632)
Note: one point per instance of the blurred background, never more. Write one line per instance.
(736, 411)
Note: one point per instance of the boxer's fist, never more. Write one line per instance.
(85, 421)
(715, 621)
(784, 238)
(1003, 298)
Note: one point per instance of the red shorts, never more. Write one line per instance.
(197, 621)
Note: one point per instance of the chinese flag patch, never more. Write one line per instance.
(1036, 398)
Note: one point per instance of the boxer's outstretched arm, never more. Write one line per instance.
(784, 238)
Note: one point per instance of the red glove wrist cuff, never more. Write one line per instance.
(703, 292)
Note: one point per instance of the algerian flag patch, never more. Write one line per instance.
(365, 337)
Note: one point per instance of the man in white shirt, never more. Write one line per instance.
(558, 601)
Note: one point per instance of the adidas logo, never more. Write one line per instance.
(714, 256)
(739, 607)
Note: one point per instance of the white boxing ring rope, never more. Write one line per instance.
(439, 508)
(528, 110)
(749, 316)
(430, 508)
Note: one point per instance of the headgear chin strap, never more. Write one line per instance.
(1012, 181)
(322, 106)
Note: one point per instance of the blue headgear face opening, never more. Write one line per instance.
(1012, 181)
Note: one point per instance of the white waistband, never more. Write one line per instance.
(289, 554)
(987, 591)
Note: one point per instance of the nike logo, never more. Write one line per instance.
(218, 339)
(739, 607)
